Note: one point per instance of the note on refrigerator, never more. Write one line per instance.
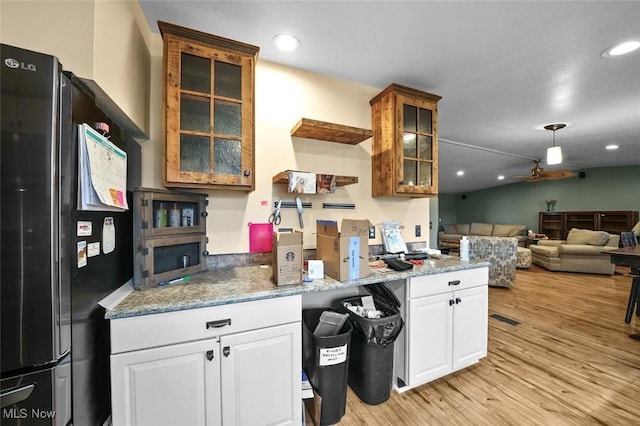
(102, 172)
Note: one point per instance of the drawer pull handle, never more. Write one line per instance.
(458, 300)
(218, 323)
(210, 355)
(451, 302)
(456, 282)
(226, 351)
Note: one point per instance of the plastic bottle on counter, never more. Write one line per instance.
(464, 249)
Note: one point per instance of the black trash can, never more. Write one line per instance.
(372, 343)
(325, 360)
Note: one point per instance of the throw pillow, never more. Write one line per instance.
(587, 237)
(450, 229)
(481, 229)
(502, 230)
(517, 230)
(463, 228)
(599, 238)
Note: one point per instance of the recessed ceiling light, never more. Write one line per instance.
(501, 177)
(611, 147)
(460, 173)
(286, 42)
(621, 49)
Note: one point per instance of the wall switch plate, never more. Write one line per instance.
(372, 232)
(418, 230)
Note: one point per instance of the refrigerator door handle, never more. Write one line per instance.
(16, 395)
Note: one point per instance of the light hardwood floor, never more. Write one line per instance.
(569, 362)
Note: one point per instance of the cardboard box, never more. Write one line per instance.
(344, 249)
(287, 258)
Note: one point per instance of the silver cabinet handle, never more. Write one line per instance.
(218, 323)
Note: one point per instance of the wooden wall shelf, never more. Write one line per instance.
(330, 132)
(283, 177)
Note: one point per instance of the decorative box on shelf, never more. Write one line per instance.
(169, 231)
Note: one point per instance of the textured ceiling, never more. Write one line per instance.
(503, 69)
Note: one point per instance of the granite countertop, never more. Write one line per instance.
(241, 284)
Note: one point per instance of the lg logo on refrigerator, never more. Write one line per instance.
(12, 63)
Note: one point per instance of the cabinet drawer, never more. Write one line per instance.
(147, 331)
(428, 285)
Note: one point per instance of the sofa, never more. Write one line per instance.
(580, 252)
(501, 253)
(450, 236)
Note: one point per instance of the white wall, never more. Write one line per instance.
(60, 28)
(121, 60)
(101, 40)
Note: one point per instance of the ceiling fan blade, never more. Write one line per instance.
(556, 177)
(557, 174)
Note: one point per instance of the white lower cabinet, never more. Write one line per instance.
(245, 370)
(470, 326)
(446, 319)
(257, 366)
(170, 385)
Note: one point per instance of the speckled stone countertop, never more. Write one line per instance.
(241, 284)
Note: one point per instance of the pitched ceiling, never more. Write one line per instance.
(504, 70)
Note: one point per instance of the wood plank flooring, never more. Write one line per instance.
(569, 362)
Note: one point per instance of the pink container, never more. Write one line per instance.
(260, 237)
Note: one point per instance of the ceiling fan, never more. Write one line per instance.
(539, 174)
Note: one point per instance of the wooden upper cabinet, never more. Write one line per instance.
(405, 142)
(209, 114)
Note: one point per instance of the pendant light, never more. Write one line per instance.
(554, 153)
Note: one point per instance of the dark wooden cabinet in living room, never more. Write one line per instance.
(556, 225)
(551, 224)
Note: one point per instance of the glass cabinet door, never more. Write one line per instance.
(210, 121)
(417, 169)
(210, 146)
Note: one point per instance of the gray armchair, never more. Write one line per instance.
(501, 253)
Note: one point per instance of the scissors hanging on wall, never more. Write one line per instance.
(275, 217)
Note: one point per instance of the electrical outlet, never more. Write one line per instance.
(418, 230)
(372, 232)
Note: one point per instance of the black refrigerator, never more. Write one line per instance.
(54, 353)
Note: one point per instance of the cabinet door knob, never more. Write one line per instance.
(247, 173)
(456, 282)
(226, 351)
(218, 323)
(210, 355)
(205, 253)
